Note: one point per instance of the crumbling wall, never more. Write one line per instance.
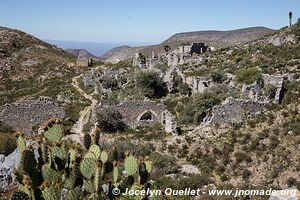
(132, 111)
(233, 111)
(25, 114)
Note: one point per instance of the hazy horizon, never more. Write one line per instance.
(136, 21)
(95, 48)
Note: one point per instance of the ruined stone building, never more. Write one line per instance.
(139, 113)
(83, 61)
(197, 48)
(232, 111)
(25, 114)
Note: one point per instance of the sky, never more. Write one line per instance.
(145, 21)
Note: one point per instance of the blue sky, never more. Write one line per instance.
(139, 20)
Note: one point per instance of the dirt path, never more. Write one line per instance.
(84, 115)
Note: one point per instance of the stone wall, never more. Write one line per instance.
(139, 113)
(25, 114)
(233, 111)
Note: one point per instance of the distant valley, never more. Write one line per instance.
(95, 48)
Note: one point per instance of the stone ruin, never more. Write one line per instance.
(24, 114)
(139, 113)
(197, 48)
(232, 111)
(255, 90)
(83, 61)
(198, 84)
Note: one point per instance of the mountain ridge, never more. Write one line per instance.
(215, 38)
(81, 53)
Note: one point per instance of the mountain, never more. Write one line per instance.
(217, 39)
(220, 38)
(81, 53)
(31, 67)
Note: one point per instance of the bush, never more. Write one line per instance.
(7, 143)
(203, 102)
(248, 75)
(184, 89)
(218, 77)
(110, 120)
(165, 163)
(162, 66)
(291, 181)
(5, 128)
(151, 84)
(199, 104)
(109, 83)
(246, 174)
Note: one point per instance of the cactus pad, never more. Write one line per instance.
(51, 193)
(19, 196)
(131, 165)
(75, 194)
(21, 144)
(54, 133)
(87, 140)
(87, 167)
(104, 157)
(50, 174)
(96, 150)
(148, 166)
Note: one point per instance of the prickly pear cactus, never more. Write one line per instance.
(54, 133)
(21, 142)
(75, 194)
(50, 174)
(103, 157)
(115, 172)
(19, 196)
(95, 149)
(148, 166)
(70, 180)
(28, 163)
(72, 157)
(97, 137)
(87, 140)
(89, 186)
(131, 165)
(88, 167)
(65, 165)
(51, 193)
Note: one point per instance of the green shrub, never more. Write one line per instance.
(184, 89)
(291, 181)
(164, 163)
(248, 75)
(218, 77)
(162, 66)
(246, 174)
(5, 128)
(109, 83)
(150, 84)
(7, 143)
(110, 120)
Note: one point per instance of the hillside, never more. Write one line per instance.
(31, 67)
(218, 39)
(81, 53)
(221, 39)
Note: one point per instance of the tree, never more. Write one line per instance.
(142, 58)
(151, 84)
(110, 120)
(167, 48)
(290, 17)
